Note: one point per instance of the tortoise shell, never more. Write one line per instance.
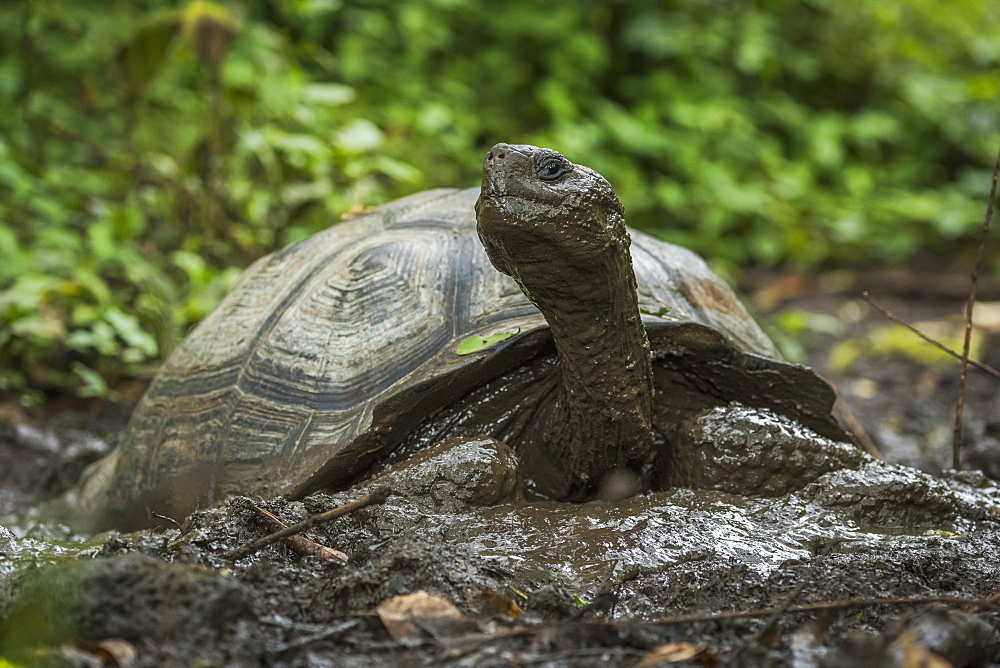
(325, 354)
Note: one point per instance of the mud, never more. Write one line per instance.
(598, 582)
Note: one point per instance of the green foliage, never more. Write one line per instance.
(658, 313)
(473, 344)
(149, 147)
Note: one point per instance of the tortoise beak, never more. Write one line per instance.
(493, 169)
(502, 163)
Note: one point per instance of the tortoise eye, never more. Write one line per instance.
(552, 169)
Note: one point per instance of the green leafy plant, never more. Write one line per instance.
(151, 149)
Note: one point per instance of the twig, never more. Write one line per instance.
(327, 634)
(826, 605)
(475, 641)
(956, 446)
(164, 517)
(940, 346)
(299, 543)
(377, 496)
(852, 422)
(995, 598)
(768, 634)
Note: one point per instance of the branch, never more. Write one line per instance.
(299, 543)
(826, 605)
(937, 344)
(857, 429)
(376, 497)
(956, 446)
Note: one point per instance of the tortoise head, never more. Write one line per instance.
(536, 206)
(559, 231)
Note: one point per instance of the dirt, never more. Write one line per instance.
(595, 583)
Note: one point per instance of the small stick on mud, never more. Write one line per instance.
(856, 428)
(375, 497)
(994, 599)
(299, 543)
(327, 634)
(956, 447)
(164, 517)
(937, 344)
(826, 605)
(769, 633)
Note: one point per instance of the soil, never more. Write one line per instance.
(681, 577)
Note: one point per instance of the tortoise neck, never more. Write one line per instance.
(600, 415)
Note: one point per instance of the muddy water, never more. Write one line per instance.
(889, 506)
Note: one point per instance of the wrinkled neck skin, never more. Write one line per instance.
(580, 277)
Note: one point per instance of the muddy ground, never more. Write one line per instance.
(682, 577)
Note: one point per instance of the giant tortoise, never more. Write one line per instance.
(330, 355)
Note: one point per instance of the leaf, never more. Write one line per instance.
(360, 135)
(500, 604)
(405, 616)
(659, 313)
(474, 344)
(131, 332)
(328, 93)
(112, 652)
(518, 592)
(142, 55)
(673, 653)
(93, 383)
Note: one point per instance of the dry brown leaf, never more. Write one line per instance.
(112, 651)
(406, 615)
(914, 655)
(672, 653)
(499, 603)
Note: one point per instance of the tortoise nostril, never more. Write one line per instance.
(489, 156)
(500, 156)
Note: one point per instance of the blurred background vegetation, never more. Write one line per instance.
(151, 149)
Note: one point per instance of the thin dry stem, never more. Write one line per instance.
(827, 605)
(934, 342)
(299, 543)
(377, 496)
(858, 429)
(956, 448)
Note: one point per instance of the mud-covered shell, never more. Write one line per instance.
(325, 353)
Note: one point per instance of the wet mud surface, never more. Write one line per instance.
(657, 577)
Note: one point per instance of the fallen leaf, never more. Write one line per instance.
(405, 616)
(518, 592)
(500, 604)
(914, 655)
(474, 344)
(672, 653)
(112, 651)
